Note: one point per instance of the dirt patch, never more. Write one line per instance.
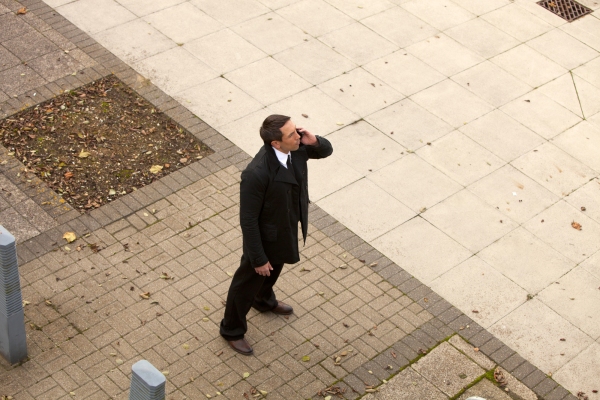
(99, 142)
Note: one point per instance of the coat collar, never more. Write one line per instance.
(282, 174)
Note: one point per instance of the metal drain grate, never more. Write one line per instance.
(567, 9)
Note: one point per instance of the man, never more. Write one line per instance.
(273, 199)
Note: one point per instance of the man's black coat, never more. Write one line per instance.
(272, 201)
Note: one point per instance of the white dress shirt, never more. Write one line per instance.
(282, 157)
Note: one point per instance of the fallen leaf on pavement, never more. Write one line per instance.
(305, 115)
(145, 295)
(576, 225)
(84, 154)
(500, 378)
(22, 11)
(69, 237)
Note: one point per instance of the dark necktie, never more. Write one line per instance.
(290, 168)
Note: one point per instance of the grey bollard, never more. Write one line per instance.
(147, 383)
(13, 343)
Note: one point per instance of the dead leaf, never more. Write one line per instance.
(48, 302)
(245, 375)
(305, 115)
(499, 377)
(145, 295)
(183, 160)
(576, 225)
(306, 358)
(69, 237)
(155, 169)
(582, 208)
(22, 11)
(68, 175)
(373, 265)
(83, 154)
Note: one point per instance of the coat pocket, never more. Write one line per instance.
(269, 232)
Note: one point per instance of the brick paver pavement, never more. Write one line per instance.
(87, 323)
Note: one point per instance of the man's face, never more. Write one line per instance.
(290, 140)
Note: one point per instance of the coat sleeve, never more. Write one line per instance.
(321, 150)
(252, 194)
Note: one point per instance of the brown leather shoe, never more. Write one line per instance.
(241, 346)
(282, 309)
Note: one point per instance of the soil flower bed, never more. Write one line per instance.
(99, 142)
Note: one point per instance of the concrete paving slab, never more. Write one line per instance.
(407, 385)
(452, 103)
(541, 114)
(441, 14)
(381, 149)
(448, 369)
(88, 14)
(479, 8)
(575, 296)
(482, 37)
(366, 209)
(315, 61)
(279, 83)
(588, 97)
(175, 70)
(316, 17)
(554, 169)
(589, 71)
(582, 142)
(358, 9)
(557, 231)
(513, 193)
(444, 54)
(360, 92)
(421, 249)
(535, 331)
(472, 352)
(460, 158)
(527, 261)
(320, 185)
(142, 40)
(231, 12)
(409, 124)
(183, 22)
(585, 30)
(486, 390)
(580, 374)
(415, 182)
(563, 91)
(271, 33)
(218, 102)
(517, 22)
(404, 72)
(491, 83)
(469, 220)
(563, 49)
(323, 114)
(528, 65)
(487, 298)
(224, 51)
(588, 196)
(142, 8)
(400, 26)
(502, 135)
(358, 43)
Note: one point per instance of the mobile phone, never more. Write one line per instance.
(299, 133)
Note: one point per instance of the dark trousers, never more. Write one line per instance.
(248, 289)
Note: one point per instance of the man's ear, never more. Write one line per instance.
(276, 144)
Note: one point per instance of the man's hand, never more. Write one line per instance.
(264, 270)
(308, 138)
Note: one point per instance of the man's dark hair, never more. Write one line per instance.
(270, 129)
